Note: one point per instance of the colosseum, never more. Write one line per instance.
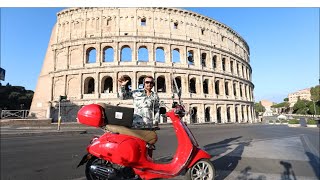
(90, 48)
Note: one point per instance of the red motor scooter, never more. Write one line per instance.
(124, 153)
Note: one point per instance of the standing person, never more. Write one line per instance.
(145, 102)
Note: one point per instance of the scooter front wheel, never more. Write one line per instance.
(202, 170)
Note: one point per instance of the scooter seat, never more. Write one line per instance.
(146, 135)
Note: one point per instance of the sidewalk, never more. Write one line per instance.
(14, 129)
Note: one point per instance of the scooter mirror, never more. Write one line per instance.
(163, 110)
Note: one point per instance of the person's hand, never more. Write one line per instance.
(122, 81)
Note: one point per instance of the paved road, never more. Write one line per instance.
(253, 152)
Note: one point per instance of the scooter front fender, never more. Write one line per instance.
(200, 154)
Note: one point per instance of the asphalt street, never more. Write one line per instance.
(254, 152)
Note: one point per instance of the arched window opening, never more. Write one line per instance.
(242, 113)
(190, 57)
(226, 87)
(192, 85)
(91, 55)
(175, 56)
(143, 54)
(228, 115)
(234, 89)
(205, 87)
(126, 54)
(240, 90)
(128, 86)
(89, 86)
(236, 111)
(223, 64)
(108, 54)
(217, 87)
(219, 114)
(242, 71)
(203, 59)
(194, 115)
(160, 55)
(178, 81)
(143, 22)
(107, 85)
(231, 66)
(207, 115)
(238, 69)
(214, 62)
(161, 84)
(140, 82)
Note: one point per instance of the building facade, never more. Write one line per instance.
(302, 94)
(90, 48)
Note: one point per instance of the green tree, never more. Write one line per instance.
(315, 93)
(258, 107)
(301, 107)
(286, 99)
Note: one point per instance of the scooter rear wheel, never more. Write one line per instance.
(202, 170)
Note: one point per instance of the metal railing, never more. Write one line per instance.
(14, 114)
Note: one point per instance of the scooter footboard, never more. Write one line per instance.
(200, 154)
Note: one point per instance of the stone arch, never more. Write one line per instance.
(107, 85)
(207, 114)
(217, 87)
(89, 85)
(192, 85)
(71, 88)
(236, 113)
(204, 59)
(190, 57)
(91, 54)
(206, 86)
(214, 62)
(228, 114)
(126, 54)
(178, 80)
(219, 115)
(161, 84)
(128, 86)
(194, 115)
(175, 56)
(160, 55)
(143, 54)
(226, 87)
(58, 88)
(242, 113)
(235, 89)
(108, 54)
(140, 81)
(223, 63)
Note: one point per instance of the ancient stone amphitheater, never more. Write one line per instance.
(90, 48)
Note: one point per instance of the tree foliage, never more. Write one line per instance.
(258, 107)
(15, 97)
(315, 93)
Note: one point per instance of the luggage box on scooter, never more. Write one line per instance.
(91, 115)
(117, 115)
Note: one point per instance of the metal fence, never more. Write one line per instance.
(14, 114)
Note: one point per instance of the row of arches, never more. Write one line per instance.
(108, 83)
(226, 64)
(230, 114)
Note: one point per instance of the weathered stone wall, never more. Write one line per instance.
(217, 85)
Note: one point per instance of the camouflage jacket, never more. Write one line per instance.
(146, 108)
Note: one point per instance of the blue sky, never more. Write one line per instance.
(284, 45)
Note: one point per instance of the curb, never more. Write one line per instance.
(41, 133)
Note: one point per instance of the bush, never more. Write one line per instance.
(293, 121)
(311, 121)
(284, 121)
(277, 121)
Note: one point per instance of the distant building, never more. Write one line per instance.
(303, 94)
(267, 104)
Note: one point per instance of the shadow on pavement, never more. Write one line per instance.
(227, 163)
(314, 161)
(288, 171)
